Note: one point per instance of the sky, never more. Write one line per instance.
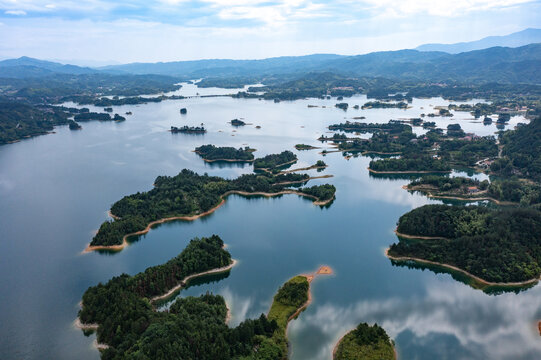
(96, 32)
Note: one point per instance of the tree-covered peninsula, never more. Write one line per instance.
(212, 153)
(274, 161)
(189, 195)
(495, 245)
(129, 327)
(412, 164)
(365, 343)
(20, 121)
(384, 105)
(501, 191)
(289, 299)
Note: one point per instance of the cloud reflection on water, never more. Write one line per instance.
(481, 326)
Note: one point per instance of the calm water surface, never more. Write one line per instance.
(55, 191)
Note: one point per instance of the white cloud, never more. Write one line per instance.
(15, 12)
(494, 327)
(445, 8)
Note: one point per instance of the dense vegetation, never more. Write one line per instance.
(322, 192)
(410, 164)
(384, 105)
(273, 161)
(87, 116)
(499, 245)
(508, 190)
(289, 298)
(304, 147)
(237, 122)
(188, 129)
(365, 343)
(390, 127)
(213, 153)
(18, 121)
(521, 152)
(188, 194)
(193, 328)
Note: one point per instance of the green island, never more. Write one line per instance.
(384, 105)
(273, 162)
(393, 127)
(237, 122)
(365, 343)
(493, 246)
(73, 125)
(188, 196)
(411, 164)
(188, 129)
(305, 147)
(87, 116)
(211, 153)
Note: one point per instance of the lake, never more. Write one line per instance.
(55, 191)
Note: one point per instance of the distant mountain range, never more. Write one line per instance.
(496, 64)
(29, 67)
(521, 38)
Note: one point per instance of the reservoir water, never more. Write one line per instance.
(55, 191)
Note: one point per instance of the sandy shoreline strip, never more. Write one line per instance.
(90, 248)
(409, 172)
(303, 169)
(452, 267)
(431, 195)
(184, 281)
(304, 180)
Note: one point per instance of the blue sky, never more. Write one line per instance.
(94, 31)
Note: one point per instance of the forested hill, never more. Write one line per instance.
(498, 245)
(521, 152)
(497, 64)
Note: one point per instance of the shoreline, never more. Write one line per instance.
(452, 267)
(436, 196)
(410, 172)
(125, 243)
(184, 281)
(228, 160)
(225, 160)
(275, 166)
(303, 169)
(322, 270)
(307, 179)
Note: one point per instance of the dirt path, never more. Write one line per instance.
(184, 281)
